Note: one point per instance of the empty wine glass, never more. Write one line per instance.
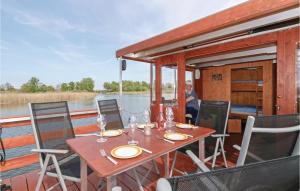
(147, 116)
(170, 118)
(101, 123)
(169, 114)
(132, 127)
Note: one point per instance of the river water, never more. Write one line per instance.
(131, 104)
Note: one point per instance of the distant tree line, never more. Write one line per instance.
(133, 86)
(34, 85)
(86, 84)
(127, 86)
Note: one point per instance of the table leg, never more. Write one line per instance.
(83, 175)
(201, 149)
(111, 181)
(166, 159)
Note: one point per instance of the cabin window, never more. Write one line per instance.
(169, 84)
(189, 76)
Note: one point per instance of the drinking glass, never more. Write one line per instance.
(101, 123)
(132, 128)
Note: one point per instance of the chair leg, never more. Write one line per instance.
(223, 153)
(215, 153)
(59, 175)
(138, 180)
(43, 172)
(173, 164)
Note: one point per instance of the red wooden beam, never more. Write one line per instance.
(235, 15)
(233, 45)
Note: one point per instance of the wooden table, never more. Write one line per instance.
(88, 150)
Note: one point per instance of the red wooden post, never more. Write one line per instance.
(181, 87)
(286, 71)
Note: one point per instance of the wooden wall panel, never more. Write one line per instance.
(286, 71)
(216, 89)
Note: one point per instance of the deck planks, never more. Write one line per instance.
(32, 178)
(19, 183)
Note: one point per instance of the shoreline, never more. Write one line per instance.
(17, 98)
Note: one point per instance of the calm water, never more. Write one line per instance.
(130, 104)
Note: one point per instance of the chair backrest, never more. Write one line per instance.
(111, 110)
(213, 114)
(52, 126)
(279, 174)
(273, 137)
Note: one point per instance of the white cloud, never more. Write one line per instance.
(54, 26)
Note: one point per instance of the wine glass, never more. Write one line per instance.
(170, 118)
(146, 116)
(132, 127)
(101, 123)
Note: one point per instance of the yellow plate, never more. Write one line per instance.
(184, 126)
(175, 136)
(142, 125)
(126, 151)
(112, 133)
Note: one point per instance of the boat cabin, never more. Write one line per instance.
(246, 55)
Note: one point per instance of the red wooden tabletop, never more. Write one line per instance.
(88, 149)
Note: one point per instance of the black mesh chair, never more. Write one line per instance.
(111, 110)
(52, 126)
(212, 114)
(279, 174)
(273, 137)
(114, 121)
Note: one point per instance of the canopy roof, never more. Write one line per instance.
(234, 22)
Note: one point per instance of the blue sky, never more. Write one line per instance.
(67, 40)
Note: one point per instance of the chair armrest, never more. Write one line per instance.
(197, 161)
(249, 154)
(50, 151)
(219, 135)
(163, 185)
(85, 135)
(237, 147)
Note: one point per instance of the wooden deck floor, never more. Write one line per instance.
(27, 182)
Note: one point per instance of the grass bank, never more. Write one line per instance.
(23, 98)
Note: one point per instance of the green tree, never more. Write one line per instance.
(31, 86)
(64, 87)
(7, 87)
(78, 86)
(46, 88)
(87, 84)
(71, 86)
